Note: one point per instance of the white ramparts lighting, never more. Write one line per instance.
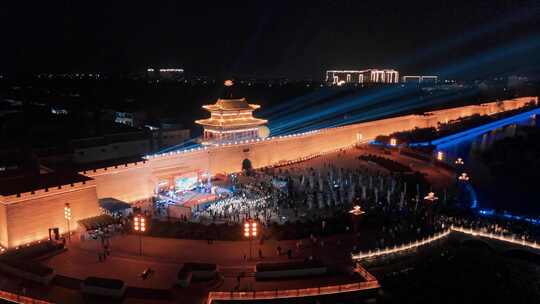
(397, 249)
(498, 237)
(418, 243)
(172, 70)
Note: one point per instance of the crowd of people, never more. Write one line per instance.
(273, 194)
(237, 208)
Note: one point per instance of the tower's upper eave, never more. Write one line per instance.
(231, 105)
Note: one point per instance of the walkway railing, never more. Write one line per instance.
(426, 241)
(4, 295)
(498, 237)
(397, 249)
(291, 293)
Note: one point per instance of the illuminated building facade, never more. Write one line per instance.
(165, 73)
(231, 120)
(341, 77)
(420, 79)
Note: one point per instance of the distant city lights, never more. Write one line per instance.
(173, 70)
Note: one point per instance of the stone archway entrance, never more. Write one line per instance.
(246, 165)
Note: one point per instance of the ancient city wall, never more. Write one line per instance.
(140, 180)
(128, 182)
(3, 226)
(28, 216)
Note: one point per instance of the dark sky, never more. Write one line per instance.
(295, 39)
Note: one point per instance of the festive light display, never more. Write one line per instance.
(398, 249)
(413, 245)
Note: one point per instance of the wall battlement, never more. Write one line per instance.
(229, 144)
(114, 169)
(9, 199)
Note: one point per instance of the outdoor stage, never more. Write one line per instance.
(194, 199)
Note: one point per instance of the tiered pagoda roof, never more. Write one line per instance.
(231, 114)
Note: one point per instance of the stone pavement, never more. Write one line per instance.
(166, 256)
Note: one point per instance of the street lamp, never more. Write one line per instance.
(139, 225)
(393, 142)
(356, 211)
(431, 197)
(463, 177)
(250, 231)
(67, 216)
(459, 161)
(440, 155)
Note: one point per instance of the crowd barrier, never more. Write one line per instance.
(4, 295)
(291, 293)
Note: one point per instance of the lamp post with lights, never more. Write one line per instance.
(440, 155)
(430, 198)
(67, 216)
(463, 185)
(356, 211)
(139, 226)
(463, 177)
(250, 231)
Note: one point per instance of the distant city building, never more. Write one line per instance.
(420, 79)
(164, 136)
(230, 120)
(86, 76)
(58, 110)
(111, 146)
(124, 118)
(170, 137)
(341, 77)
(127, 115)
(165, 73)
(515, 81)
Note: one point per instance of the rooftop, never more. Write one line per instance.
(231, 105)
(248, 122)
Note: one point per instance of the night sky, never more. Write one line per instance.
(294, 39)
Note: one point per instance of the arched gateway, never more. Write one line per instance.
(246, 165)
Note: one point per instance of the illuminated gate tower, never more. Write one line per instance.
(231, 120)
